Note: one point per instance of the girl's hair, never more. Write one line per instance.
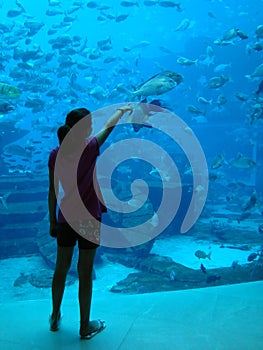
(72, 118)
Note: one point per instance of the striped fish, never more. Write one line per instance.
(9, 91)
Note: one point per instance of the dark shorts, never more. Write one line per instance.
(67, 236)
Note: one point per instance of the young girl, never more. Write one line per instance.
(87, 186)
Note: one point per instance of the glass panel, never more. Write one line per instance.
(192, 71)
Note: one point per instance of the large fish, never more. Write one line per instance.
(141, 113)
(9, 91)
(159, 84)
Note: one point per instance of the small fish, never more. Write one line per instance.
(92, 4)
(260, 228)
(6, 107)
(242, 35)
(140, 45)
(218, 161)
(257, 112)
(150, 2)
(16, 12)
(121, 18)
(53, 12)
(104, 42)
(242, 97)
(251, 202)
(221, 67)
(164, 3)
(9, 91)
(243, 216)
(186, 61)
(173, 275)
(242, 162)
(98, 93)
(259, 31)
(258, 72)
(200, 254)
(203, 269)
(217, 82)
(129, 3)
(258, 46)
(204, 101)
(230, 34)
(211, 14)
(22, 279)
(195, 110)
(221, 42)
(214, 176)
(4, 199)
(166, 50)
(221, 100)
(260, 88)
(234, 264)
(184, 24)
(252, 256)
(213, 278)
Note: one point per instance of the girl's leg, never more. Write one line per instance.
(64, 257)
(85, 266)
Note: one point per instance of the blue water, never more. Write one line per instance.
(142, 45)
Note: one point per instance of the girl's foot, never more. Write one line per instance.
(94, 328)
(55, 322)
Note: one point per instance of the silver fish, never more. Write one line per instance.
(259, 31)
(159, 84)
(258, 72)
(242, 162)
(216, 82)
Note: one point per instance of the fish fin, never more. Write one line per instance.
(147, 125)
(138, 126)
(133, 95)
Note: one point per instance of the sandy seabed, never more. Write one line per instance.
(180, 249)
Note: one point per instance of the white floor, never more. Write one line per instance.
(216, 318)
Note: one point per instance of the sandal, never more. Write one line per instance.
(55, 324)
(90, 335)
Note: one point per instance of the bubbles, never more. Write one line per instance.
(132, 201)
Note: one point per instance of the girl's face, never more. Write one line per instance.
(88, 128)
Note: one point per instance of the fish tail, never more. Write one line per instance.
(133, 95)
(209, 255)
(8, 90)
(3, 87)
(249, 76)
(18, 3)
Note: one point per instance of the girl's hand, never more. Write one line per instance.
(126, 108)
(53, 230)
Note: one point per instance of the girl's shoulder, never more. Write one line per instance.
(52, 157)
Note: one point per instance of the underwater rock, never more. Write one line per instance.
(218, 229)
(131, 256)
(22, 279)
(185, 278)
(43, 279)
(161, 265)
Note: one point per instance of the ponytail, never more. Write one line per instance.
(62, 132)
